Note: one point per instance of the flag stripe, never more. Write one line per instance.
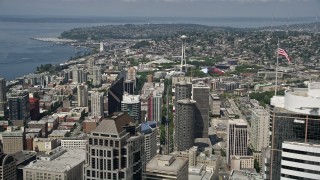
(283, 53)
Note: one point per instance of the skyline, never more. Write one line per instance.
(162, 8)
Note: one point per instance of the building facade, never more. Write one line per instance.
(149, 129)
(115, 93)
(19, 107)
(215, 104)
(132, 105)
(259, 129)
(183, 90)
(34, 105)
(237, 139)
(8, 169)
(60, 163)
(300, 160)
(97, 104)
(115, 150)
(13, 140)
(294, 117)
(3, 96)
(96, 76)
(155, 107)
(82, 93)
(184, 124)
(200, 93)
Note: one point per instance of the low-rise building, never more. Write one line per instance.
(60, 163)
(44, 144)
(13, 140)
(167, 167)
(242, 162)
(58, 134)
(74, 142)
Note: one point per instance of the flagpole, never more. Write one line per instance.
(276, 85)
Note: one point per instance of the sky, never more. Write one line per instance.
(162, 8)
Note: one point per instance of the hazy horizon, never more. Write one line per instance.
(162, 8)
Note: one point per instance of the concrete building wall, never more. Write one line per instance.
(259, 129)
(97, 104)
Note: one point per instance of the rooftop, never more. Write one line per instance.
(245, 175)
(128, 99)
(63, 163)
(21, 156)
(174, 168)
(114, 125)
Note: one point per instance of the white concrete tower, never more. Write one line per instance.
(183, 54)
(101, 47)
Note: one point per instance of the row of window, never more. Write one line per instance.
(104, 175)
(101, 142)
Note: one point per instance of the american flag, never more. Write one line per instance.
(283, 53)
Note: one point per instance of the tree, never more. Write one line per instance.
(222, 153)
(212, 152)
(257, 166)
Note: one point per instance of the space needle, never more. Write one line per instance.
(183, 55)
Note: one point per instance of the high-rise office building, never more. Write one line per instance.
(97, 104)
(215, 104)
(34, 105)
(300, 160)
(259, 129)
(91, 63)
(131, 74)
(82, 94)
(115, 150)
(96, 76)
(149, 129)
(129, 86)
(79, 75)
(132, 105)
(182, 91)
(19, 107)
(3, 97)
(294, 117)
(184, 124)
(115, 93)
(237, 139)
(155, 107)
(200, 93)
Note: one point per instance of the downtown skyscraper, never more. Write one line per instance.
(115, 150)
